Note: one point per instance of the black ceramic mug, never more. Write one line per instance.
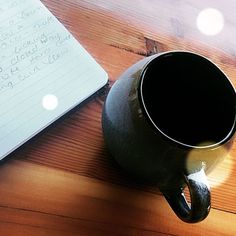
(170, 119)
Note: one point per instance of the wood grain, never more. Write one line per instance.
(64, 181)
(62, 202)
(77, 125)
(127, 28)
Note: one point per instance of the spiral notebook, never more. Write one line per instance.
(44, 72)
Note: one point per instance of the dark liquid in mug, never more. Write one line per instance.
(188, 98)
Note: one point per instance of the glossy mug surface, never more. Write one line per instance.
(169, 119)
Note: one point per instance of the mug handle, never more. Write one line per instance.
(199, 195)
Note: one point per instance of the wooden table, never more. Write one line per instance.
(64, 181)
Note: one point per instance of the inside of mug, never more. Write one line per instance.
(188, 98)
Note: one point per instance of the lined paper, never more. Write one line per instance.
(44, 71)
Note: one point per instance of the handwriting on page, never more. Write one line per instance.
(26, 49)
(44, 71)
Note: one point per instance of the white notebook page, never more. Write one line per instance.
(44, 71)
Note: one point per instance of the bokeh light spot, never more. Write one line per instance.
(50, 102)
(210, 21)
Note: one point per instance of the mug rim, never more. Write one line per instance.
(145, 110)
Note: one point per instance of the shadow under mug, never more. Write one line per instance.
(169, 119)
